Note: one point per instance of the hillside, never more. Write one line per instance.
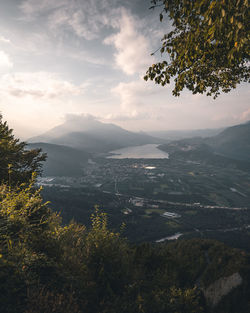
(231, 146)
(233, 142)
(61, 160)
(181, 134)
(88, 134)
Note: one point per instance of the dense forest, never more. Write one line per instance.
(49, 267)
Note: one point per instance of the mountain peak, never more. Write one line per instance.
(85, 132)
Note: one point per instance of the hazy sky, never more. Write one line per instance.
(89, 57)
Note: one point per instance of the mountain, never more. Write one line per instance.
(181, 134)
(233, 142)
(62, 160)
(231, 145)
(88, 134)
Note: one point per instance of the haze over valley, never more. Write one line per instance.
(137, 177)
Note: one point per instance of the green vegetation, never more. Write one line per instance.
(72, 269)
(172, 224)
(17, 163)
(48, 267)
(159, 211)
(207, 49)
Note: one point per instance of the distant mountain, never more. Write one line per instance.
(233, 143)
(62, 160)
(181, 134)
(88, 134)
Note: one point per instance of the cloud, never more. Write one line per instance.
(245, 116)
(3, 39)
(51, 35)
(85, 19)
(5, 62)
(82, 24)
(87, 57)
(147, 106)
(34, 7)
(41, 85)
(136, 95)
(126, 117)
(133, 48)
(35, 102)
(93, 21)
(79, 118)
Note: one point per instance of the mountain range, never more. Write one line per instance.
(232, 143)
(90, 135)
(171, 135)
(71, 144)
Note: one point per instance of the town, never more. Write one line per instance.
(157, 198)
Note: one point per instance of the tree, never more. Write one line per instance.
(208, 48)
(17, 163)
(27, 245)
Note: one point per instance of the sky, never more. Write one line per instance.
(60, 57)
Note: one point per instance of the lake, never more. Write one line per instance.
(149, 151)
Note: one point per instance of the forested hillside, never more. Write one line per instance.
(233, 142)
(231, 146)
(61, 160)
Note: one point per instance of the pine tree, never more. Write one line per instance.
(17, 163)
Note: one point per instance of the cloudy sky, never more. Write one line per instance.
(89, 57)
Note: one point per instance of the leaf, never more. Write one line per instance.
(211, 30)
(239, 24)
(207, 39)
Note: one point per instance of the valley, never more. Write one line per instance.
(210, 201)
(203, 183)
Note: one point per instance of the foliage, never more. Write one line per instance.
(50, 268)
(26, 245)
(42, 300)
(17, 163)
(207, 49)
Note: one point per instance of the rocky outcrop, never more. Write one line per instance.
(221, 287)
